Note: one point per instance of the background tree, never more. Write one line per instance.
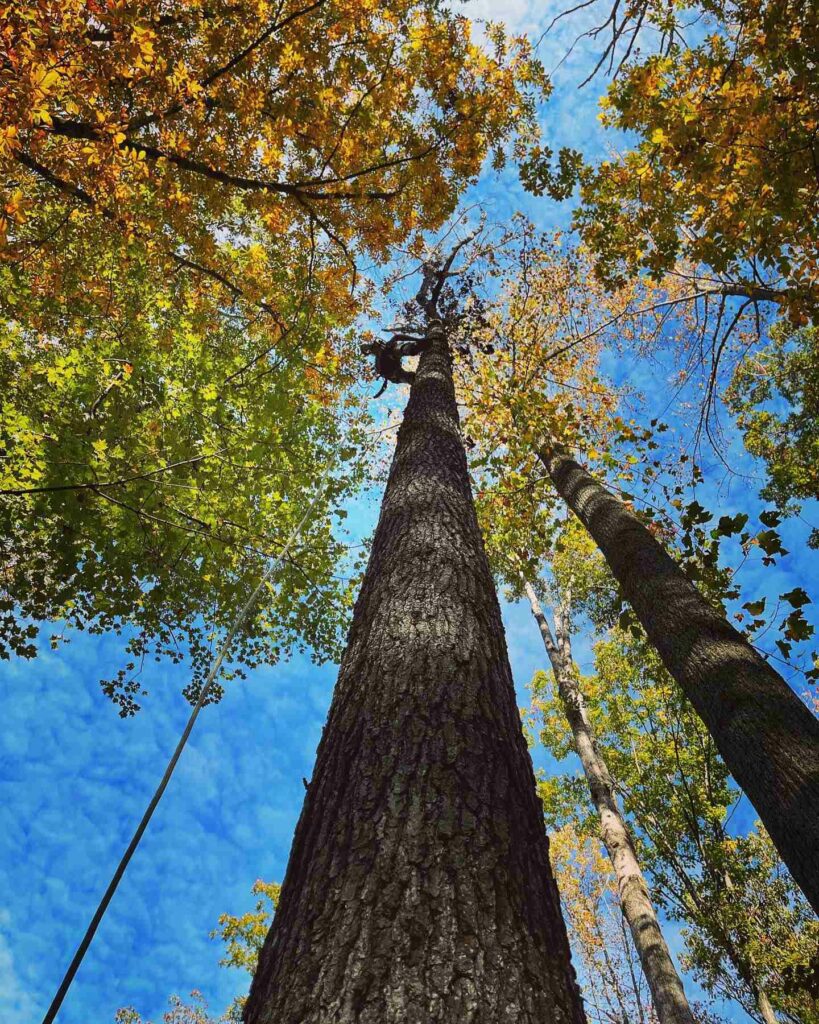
(179, 1012)
(716, 201)
(614, 988)
(767, 736)
(745, 921)
(666, 987)
(243, 936)
(723, 176)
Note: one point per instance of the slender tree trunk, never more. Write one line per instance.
(419, 888)
(767, 737)
(763, 1004)
(666, 986)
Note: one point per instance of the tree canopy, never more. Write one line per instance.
(187, 194)
(205, 133)
(148, 477)
(207, 205)
(723, 173)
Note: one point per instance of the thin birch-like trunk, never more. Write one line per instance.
(763, 1004)
(666, 986)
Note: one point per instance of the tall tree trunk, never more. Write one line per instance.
(767, 737)
(667, 991)
(419, 888)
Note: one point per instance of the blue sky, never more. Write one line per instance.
(74, 778)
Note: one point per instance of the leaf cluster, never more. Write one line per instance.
(153, 464)
(724, 170)
(744, 918)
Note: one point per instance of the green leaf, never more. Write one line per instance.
(729, 525)
(796, 597)
(770, 542)
(770, 517)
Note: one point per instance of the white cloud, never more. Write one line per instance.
(16, 1004)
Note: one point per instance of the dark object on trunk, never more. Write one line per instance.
(388, 357)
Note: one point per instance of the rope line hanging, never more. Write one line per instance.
(216, 664)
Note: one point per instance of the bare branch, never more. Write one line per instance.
(94, 485)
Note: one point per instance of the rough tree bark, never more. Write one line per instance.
(767, 737)
(667, 993)
(419, 888)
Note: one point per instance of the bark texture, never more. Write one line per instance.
(667, 992)
(419, 888)
(767, 737)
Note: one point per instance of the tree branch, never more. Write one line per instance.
(94, 485)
